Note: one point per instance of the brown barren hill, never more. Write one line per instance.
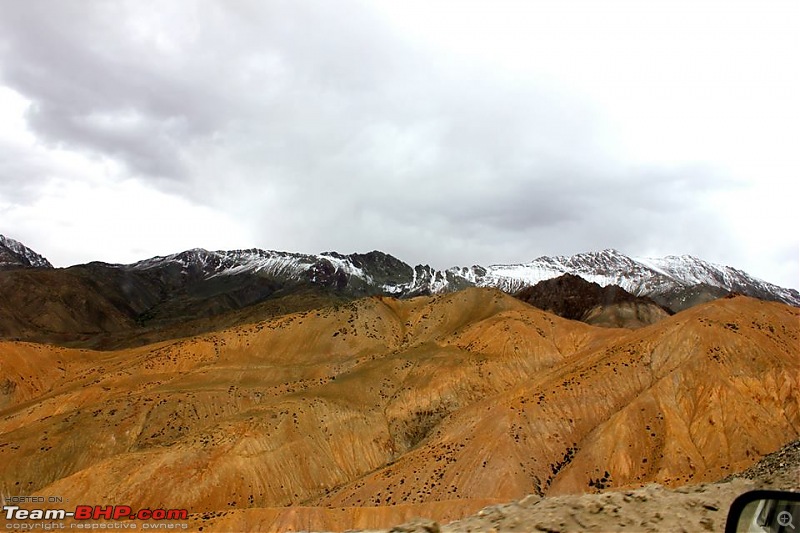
(361, 415)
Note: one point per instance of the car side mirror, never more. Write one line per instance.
(764, 511)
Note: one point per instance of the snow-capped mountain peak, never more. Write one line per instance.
(665, 279)
(675, 281)
(668, 278)
(14, 254)
(690, 270)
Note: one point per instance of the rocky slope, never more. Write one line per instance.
(14, 254)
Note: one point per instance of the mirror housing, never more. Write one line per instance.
(764, 511)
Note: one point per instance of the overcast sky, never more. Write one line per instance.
(447, 133)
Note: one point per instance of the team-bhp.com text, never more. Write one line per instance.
(97, 512)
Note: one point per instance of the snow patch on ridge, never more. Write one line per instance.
(18, 254)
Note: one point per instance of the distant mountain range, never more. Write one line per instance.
(102, 305)
(677, 282)
(674, 281)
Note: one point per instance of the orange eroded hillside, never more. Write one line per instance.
(685, 400)
(472, 396)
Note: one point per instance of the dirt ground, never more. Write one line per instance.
(702, 507)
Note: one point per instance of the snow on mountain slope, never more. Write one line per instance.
(608, 267)
(209, 264)
(639, 276)
(14, 254)
(380, 273)
(374, 272)
(692, 271)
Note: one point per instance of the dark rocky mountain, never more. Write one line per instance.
(572, 297)
(102, 306)
(109, 305)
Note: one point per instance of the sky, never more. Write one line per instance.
(443, 133)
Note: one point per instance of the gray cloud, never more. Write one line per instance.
(321, 127)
